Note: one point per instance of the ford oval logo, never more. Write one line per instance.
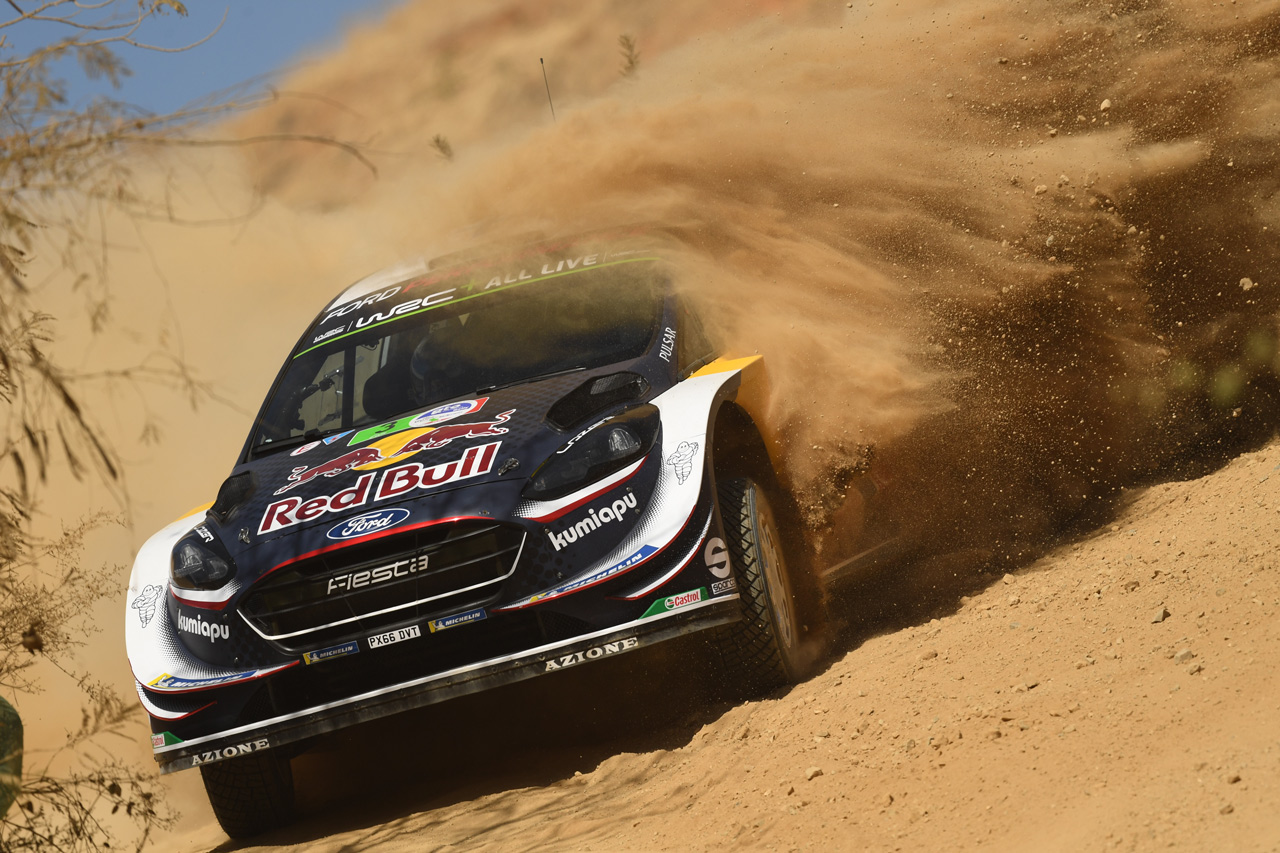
(370, 522)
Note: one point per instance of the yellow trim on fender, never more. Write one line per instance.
(725, 365)
(192, 512)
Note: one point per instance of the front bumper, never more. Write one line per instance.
(473, 678)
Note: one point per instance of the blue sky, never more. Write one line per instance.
(258, 39)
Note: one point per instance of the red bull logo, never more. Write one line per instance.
(332, 468)
(437, 437)
(394, 448)
(400, 480)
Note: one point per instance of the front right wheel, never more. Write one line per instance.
(761, 651)
(250, 794)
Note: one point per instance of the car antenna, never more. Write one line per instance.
(548, 85)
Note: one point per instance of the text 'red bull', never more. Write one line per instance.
(395, 482)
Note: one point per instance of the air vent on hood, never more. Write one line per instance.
(232, 494)
(594, 396)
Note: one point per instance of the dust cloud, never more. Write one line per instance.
(1022, 254)
(1019, 254)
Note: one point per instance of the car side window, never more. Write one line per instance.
(693, 347)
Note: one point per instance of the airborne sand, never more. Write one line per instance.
(1002, 245)
(973, 236)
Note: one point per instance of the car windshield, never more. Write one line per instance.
(391, 354)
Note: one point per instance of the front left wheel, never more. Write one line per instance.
(762, 651)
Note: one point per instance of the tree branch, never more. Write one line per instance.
(190, 142)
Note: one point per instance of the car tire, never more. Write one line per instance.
(250, 794)
(762, 651)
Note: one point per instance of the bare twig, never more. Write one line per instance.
(191, 142)
(184, 48)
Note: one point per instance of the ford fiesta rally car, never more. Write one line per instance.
(462, 477)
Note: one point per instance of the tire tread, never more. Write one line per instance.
(747, 650)
(250, 794)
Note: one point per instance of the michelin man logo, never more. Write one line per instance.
(681, 460)
(145, 603)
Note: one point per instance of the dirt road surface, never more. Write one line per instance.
(1047, 709)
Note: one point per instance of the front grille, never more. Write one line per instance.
(361, 589)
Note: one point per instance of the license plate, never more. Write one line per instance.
(378, 640)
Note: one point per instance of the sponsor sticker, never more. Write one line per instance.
(173, 682)
(164, 739)
(457, 619)
(668, 345)
(681, 460)
(592, 522)
(330, 439)
(448, 412)
(369, 522)
(422, 303)
(595, 577)
(146, 602)
(230, 752)
(198, 626)
(324, 336)
(473, 462)
(716, 556)
(377, 641)
(399, 446)
(392, 449)
(395, 448)
(593, 653)
(319, 655)
(724, 586)
(451, 294)
(204, 533)
(310, 445)
(438, 415)
(675, 602)
(566, 265)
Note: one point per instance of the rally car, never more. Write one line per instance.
(466, 474)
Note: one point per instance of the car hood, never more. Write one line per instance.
(408, 462)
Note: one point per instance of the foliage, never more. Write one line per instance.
(88, 808)
(61, 170)
(45, 594)
(76, 813)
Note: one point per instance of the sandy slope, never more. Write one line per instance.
(1043, 711)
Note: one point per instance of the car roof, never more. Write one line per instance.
(485, 255)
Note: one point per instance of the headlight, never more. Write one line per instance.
(596, 453)
(197, 566)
